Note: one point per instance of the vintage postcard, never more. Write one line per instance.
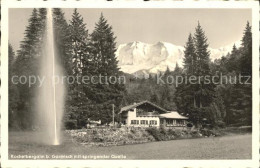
(129, 84)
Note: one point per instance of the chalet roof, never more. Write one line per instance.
(126, 108)
(173, 115)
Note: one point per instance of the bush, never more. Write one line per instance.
(171, 134)
(238, 130)
(189, 125)
(195, 133)
(210, 132)
(155, 133)
(245, 129)
(110, 136)
(221, 124)
(70, 124)
(163, 134)
(163, 131)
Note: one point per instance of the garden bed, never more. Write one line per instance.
(124, 136)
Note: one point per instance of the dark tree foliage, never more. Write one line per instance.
(246, 58)
(196, 99)
(12, 91)
(103, 50)
(61, 37)
(76, 61)
(78, 41)
(83, 54)
(190, 57)
(237, 97)
(26, 64)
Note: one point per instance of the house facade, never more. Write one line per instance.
(147, 114)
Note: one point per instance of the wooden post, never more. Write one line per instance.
(113, 114)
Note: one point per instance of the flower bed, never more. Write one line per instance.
(123, 136)
(110, 136)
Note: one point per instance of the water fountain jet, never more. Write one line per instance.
(50, 102)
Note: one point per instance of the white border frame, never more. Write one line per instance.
(6, 4)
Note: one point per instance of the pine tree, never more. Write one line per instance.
(195, 100)
(106, 64)
(202, 52)
(42, 22)
(31, 39)
(246, 69)
(77, 61)
(237, 98)
(27, 64)
(190, 57)
(62, 40)
(233, 58)
(205, 93)
(79, 39)
(177, 70)
(246, 59)
(12, 90)
(191, 65)
(242, 104)
(185, 96)
(167, 91)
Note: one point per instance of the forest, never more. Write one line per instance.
(84, 53)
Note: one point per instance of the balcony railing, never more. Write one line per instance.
(147, 114)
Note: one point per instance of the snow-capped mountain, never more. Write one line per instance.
(218, 53)
(152, 58)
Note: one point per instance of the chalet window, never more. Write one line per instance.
(180, 122)
(169, 122)
(134, 122)
(153, 122)
(143, 122)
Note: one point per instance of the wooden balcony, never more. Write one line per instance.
(147, 114)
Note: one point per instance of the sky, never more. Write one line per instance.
(221, 26)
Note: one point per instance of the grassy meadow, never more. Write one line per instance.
(233, 146)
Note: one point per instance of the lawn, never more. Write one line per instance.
(226, 147)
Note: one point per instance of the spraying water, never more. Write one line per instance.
(51, 94)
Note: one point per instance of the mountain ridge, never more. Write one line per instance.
(137, 56)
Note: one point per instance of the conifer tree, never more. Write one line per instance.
(77, 57)
(177, 70)
(42, 21)
(103, 40)
(27, 64)
(190, 58)
(201, 51)
(205, 93)
(241, 106)
(194, 99)
(106, 64)
(185, 93)
(79, 39)
(62, 40)
(27, 47)
(246, 59)
(233, 59)
(237, 97)
(12, 90)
